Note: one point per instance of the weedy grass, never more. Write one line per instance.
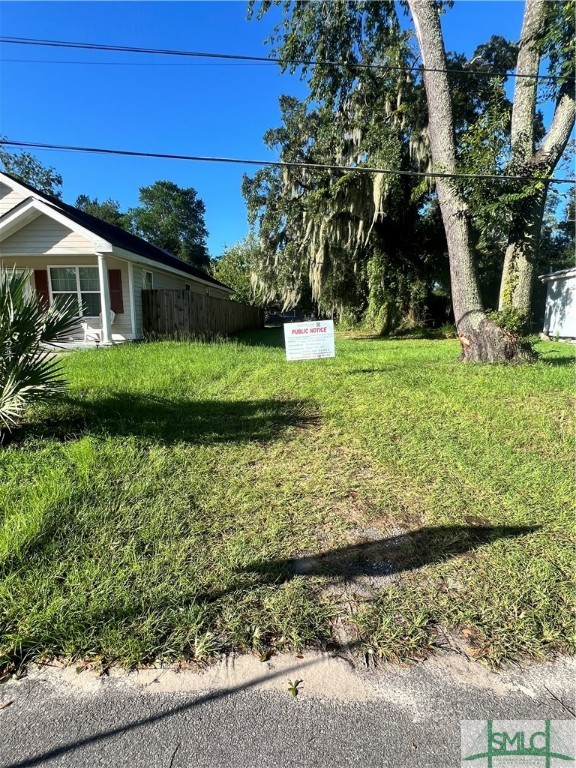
(185, 499)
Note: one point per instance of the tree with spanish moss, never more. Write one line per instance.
(453, 125)
(234, 269)
(358, 242)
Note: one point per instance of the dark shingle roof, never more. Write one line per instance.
(119, 237)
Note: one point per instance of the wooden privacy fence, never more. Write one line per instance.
(185, 313)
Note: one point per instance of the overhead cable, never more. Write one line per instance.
(282, 164)
(137, 63)
(273, 60)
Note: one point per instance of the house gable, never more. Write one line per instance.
(44, 235)
(10, 197)
(105, 237)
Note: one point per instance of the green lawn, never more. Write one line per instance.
(172, 504)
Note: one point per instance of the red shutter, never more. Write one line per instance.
(115, 283)
(41, 284)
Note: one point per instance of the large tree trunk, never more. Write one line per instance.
(480, 338)
(526, 225)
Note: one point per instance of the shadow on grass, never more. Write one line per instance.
(391, 555)
(382, 557)
(265, 337)
(414, 334)
(168, 420)
(378, 559)
(558, 358)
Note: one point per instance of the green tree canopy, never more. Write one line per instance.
(107, 210)
(172, 218)
(24, 166)
(350, 238)
(367, 245)
(235, 267)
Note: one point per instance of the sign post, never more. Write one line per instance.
(309, 341)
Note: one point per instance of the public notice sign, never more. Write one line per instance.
(309, 341)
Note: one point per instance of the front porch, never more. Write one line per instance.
(92, 287)
(70, 262)
(101, 285)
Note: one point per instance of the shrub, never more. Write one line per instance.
(27, 371)
(448, 331)
(512, 320)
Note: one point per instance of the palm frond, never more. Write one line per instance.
(27, 372)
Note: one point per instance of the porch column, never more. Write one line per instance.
(104, 300)
(131, 289)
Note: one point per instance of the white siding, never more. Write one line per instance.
(38, 261)
(44, 235)
(219, 294)
(167, 280)
(560, 318)
(10, 198)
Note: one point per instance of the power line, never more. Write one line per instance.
(141, 63)
(240, 57)
(279, 163)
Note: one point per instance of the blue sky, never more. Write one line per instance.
(204, 108)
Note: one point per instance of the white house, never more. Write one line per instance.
(73, 254)
(560, 316)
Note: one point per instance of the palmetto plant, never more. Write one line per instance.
(27, 371)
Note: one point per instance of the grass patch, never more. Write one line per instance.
(186, 499)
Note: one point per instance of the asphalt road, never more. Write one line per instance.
(241, 714)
